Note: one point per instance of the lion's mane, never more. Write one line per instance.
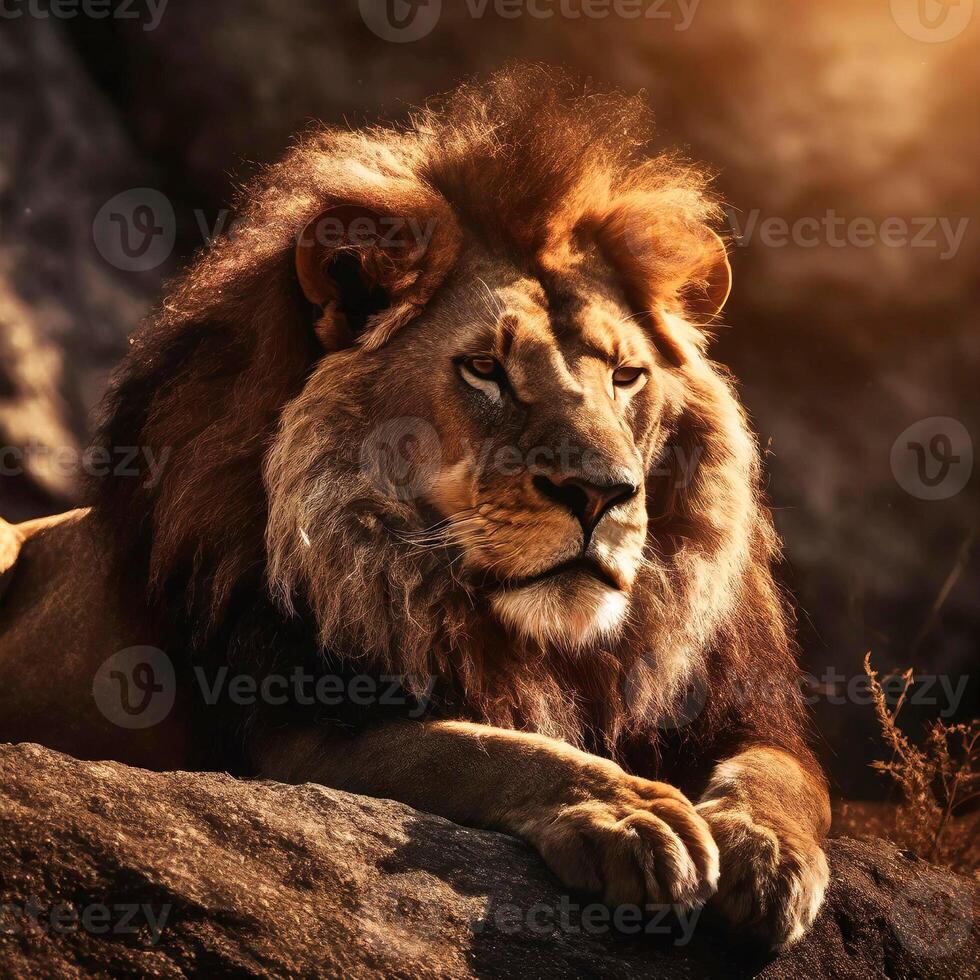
(215, 380)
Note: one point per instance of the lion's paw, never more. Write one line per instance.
(633, 841)
(772, 881)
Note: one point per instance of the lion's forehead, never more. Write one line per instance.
(554, 335)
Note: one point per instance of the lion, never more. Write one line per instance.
(439, 415)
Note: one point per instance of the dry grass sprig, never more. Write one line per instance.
(937, 781)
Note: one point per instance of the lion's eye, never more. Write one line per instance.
(626, 377)
(483, 372)
(482, 367)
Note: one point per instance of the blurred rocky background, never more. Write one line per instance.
(845, 137)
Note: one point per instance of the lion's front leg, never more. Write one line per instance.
(768, 815)
(627, 839)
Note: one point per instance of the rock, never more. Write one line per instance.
(111, 870)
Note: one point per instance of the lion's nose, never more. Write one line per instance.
(587, 500)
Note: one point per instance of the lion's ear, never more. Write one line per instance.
(710, 281)
(370, 271)
(669, 260)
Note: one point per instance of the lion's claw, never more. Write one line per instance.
(633, 841)
(772, 880)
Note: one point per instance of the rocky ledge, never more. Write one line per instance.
(109, 870)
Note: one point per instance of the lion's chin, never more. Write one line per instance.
(571, 611)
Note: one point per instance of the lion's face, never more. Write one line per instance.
(515, 422)
(499, 373)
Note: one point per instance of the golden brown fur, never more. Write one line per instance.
(525, 223)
